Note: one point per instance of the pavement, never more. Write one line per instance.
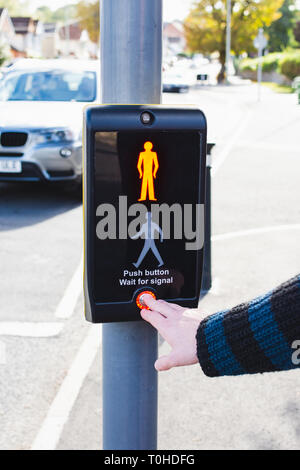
(50, 358)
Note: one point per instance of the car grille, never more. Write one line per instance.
(13, 139)
(11, 154)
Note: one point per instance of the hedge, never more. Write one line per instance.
(286, 63)
(290, 66)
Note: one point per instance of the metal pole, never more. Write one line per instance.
(131, 64)
(207, 277)
(228, 39)
(259, 66)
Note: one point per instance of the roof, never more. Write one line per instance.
(172, 31)
(22, 24)
(74, 32)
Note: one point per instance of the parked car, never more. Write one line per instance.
(41, 104)
(174, 82)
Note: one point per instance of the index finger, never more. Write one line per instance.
(159, 306)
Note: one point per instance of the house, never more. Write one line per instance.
(74, 41)
(174, 41)
(49, 41)
(7, 35)
(24, 33)
(28, 35)
(7, 31)
(37, 37)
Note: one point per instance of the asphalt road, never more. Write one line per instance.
(50, 387)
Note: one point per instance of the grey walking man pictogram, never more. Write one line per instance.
(148, 229)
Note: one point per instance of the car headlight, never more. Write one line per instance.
(54, 136)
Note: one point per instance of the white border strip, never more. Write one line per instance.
(60, 409)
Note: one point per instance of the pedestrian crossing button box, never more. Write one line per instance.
(144, 205)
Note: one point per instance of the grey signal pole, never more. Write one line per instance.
(131, 64)
(228, 38)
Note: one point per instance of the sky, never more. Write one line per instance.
(176, 9)
(173, 9)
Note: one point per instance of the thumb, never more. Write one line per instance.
(165, 362)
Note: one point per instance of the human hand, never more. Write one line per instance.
(178, 326)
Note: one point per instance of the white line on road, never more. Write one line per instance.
(66, 306)
(31, 330)
(221, 156)
(215, 287)
(60, 409)
(255, 231)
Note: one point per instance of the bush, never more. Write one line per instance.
(248, 65)
(286, 63)
(290, 65)
(270, 62)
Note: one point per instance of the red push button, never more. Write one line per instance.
(139, 299)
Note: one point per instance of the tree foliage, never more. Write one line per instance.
(297, 31)
(280, 32)
(89, 17)
(62, 14)
(205, 26)
(44, 14)
(16, 7)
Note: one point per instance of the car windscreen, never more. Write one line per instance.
(54, 85)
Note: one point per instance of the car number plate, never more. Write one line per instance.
(10, 166)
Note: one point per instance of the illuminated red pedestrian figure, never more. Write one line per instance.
(147, 166)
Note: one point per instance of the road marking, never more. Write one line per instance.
(220, 157)
(255, 231)
(31, 330)
(61, 407)
(215, 287)
(66, 306)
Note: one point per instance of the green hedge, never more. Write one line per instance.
(286, 63)
(290, 66)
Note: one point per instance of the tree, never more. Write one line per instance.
(65, 13)
(205, 26)
(44, 14)
(297, 31)
(89, 18)
(62, 14)
(280, 31)
(15, 7)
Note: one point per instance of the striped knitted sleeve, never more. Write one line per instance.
(259, 336)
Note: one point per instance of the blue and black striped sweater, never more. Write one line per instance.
(255, 337)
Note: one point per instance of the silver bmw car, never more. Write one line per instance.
(41, 103)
